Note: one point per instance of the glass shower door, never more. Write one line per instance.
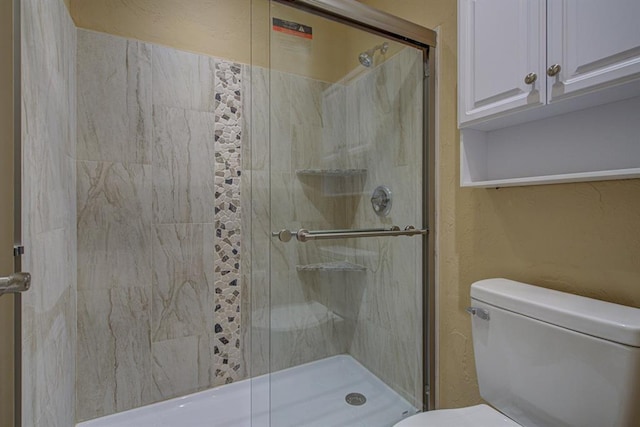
(345, 193)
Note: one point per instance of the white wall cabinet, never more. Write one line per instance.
(549, 91)
(596, 43)
(502, 42)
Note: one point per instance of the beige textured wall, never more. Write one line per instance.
(582, 238)
(6, 213)
(215, 27)
(221, 28)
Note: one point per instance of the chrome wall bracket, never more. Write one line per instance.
(15, 283)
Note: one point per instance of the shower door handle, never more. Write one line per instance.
(304, 235)
(17, 282)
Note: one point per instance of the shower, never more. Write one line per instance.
(181, 166)
(366, 57)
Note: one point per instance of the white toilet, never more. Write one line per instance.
(548, 359)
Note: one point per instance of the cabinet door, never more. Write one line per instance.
(500, 43)
(595, 42)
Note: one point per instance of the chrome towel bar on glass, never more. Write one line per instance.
(304, 235)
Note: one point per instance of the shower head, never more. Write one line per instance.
(366, 58)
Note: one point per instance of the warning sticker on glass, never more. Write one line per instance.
(292, 28)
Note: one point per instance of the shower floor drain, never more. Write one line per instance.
(355, 399)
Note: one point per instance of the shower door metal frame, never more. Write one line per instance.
(358, 15)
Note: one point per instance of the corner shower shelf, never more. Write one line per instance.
(338, 173)
(332, 267)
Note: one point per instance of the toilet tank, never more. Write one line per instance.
(550, 359)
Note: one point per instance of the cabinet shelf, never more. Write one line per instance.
(335, 266)
(595, 144)
(557, 179)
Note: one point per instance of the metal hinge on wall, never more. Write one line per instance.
(18, 251)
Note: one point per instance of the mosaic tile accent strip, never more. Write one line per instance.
(227, 355)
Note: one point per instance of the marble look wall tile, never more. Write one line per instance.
(48, 209)
(260, 219)
(411, 108)
(48, 115)
(183, 80)
(245, 369)
(258, 122)
(153, 235)
(175, 367)
(50, 183)
(52, 264)
(183, 278)
(334, 131)
(395, 364)
(354, 147)
(247, 96)
(305, 96)
(114, 98)
(259, 326)
(310, 154)
(281, 111)
(49, 332)
(183, 166)
(308, 335)
(48, 345)
(114, 350)
(114, 225)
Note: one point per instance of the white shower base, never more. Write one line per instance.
(307, 395)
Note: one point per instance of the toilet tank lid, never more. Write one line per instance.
(600, 319)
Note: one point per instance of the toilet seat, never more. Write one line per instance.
(472, 416)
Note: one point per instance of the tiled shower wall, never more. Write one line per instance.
(48, 212)
(163, 309)
(158, 170)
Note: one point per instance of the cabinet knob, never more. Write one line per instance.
(553, 70)
(530, 78)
